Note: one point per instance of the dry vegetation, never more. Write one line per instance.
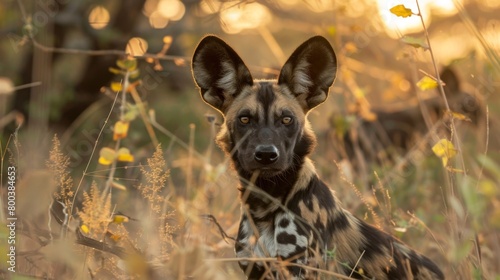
(134, 188)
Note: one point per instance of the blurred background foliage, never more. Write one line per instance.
(55, 78)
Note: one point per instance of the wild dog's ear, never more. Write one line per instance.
(450, 78)
(219, 72)
(460, 101)
(310, 71)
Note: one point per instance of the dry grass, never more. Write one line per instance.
(180, 209)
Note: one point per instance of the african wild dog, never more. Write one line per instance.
(288, 213)
(402, 129)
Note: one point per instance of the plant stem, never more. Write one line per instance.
(441, 89)
(107, 187)
(144, 116)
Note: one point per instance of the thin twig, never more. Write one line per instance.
(428, 230)
(274, 260)
(357, 262)
(107, 187)
(93, 151)
(107, 52)
(144, 116)
(440, 84)
(224, 235)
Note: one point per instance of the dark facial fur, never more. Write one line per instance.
(288, 213)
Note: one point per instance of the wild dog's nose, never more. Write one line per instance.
(266, 154)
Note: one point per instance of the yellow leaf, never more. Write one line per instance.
(106, 156)
(124, 155)
(459, 116)
(427, 83)
(401, 11)
(488, 188)
(119, 219)
(454, 170)
(332, 30)
(104, 161)
(445, 161)
(445, 150)
(126, 158)
(85, 229)
(121, 129)
(116, 86)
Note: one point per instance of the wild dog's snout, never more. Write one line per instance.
(266, 154)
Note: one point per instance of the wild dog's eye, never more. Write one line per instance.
(244, 120)
(286, 120)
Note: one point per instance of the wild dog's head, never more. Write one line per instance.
(460, 101)
(265, 125)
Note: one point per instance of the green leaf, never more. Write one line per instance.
(460, 252)
(130, 64)
(455, 204)
(489, 164)
(401, 11)
(415, 42)
(474, 200)
(131, 114)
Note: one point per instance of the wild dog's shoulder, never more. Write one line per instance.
(315, 203)
(367, 251)
(359, 247)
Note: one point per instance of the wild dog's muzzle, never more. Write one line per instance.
(266, 154)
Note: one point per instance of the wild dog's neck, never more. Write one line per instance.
(257, 191)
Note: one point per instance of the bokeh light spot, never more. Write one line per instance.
(157, 20)
(137, 46)
(99, 17)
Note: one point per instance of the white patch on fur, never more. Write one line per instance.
(286, 250)
(300, 78)
(266, 245)
(227, 82)
(247, 232)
